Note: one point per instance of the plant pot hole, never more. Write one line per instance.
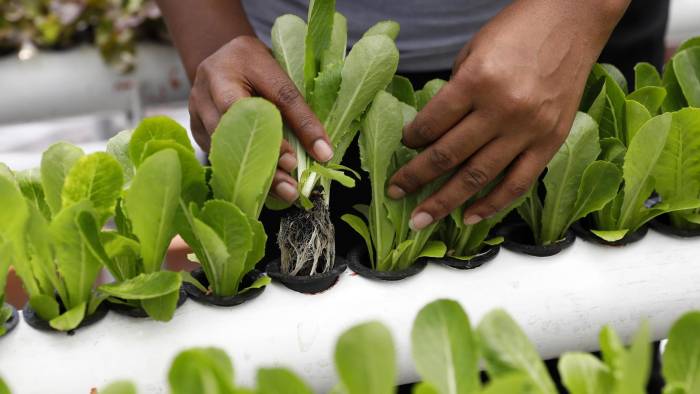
(305, 283)
(12, 322)
(358, 261)
(213, 299)
(36, 322)
(519, 238)
(664, 226)
(582, 229)
(487, 253)
(138, 312)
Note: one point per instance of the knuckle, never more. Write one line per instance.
(473, 178)
(517, 188)
(420, 133)
(244, 42)
(441, 159)
(225, 99)
(407, 180)
(287, 94)
(441, 205)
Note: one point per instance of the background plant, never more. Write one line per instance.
(53, 217)
(338, 89)
(576, 184)
(114, 26)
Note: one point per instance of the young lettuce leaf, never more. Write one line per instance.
(365, 360)
(680, 358)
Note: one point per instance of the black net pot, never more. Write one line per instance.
(213, 299)
(487, 253)
(138, 312)
(359, 263)
(12, 322)
(519, 238)
(582, 230)
(308, 284)
(36, 322)
(663, 225)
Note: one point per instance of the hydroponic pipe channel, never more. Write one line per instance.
(561, 302)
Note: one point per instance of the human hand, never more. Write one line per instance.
(242, 68)
(509, 106)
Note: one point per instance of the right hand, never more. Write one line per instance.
(242, 68)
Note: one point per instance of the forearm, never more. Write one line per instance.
(200, 27)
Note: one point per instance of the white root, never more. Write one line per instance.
(307, 241)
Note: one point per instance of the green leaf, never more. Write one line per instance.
(194, 187)
(444, 348)
(646, 74)
(507, 350)
(582, 373)
(599, 185)
(201, 371)
(45, 306)
(380, 135)
(613, 150)
(244, 153)
(288, 34)
(692, 42)
(338, 45)
(424, 388)
(332, 174)
(318, 35)
(369, 68)
(361, 228)
(677, 172)
(78, 267)
(69, 319)
(563, 179)
(430, 89)
(640, 160)
(98, 178)
(151, 203)
(434, 249)
(365, 360)
(260, 282)
(29, 182)
(56, 162)
(388, 28)
(611, 235)
(120, 387)
(124, 255)
(509, 384)
(675, 99)
(636, 115)
(650, 96)
(4, 389)
(156, 128)
(616, 75)
(144, 286)
(686, 65)
(401, 88)
(682, 353)
(161, 308)
(326, 87)
(280, 381)
(118, 147)
(630, 367)
(231, 230)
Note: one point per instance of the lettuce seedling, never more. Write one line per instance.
(53, 219)
(225, 234)
(677, 172)
(682, 77)
(391, 244)
(576, 184)
(630, 209)
(338, 89)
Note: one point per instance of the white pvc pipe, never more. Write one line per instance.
(684, 21)
(561, 302)
(77, 81)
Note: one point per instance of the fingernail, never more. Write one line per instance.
(323, 151)
(286, 191)
(420, 221)
(473, 219)
(395, 192)
(288, 162)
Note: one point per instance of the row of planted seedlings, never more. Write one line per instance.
(448, 354)
(629, 158)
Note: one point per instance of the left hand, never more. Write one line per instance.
(509, 105)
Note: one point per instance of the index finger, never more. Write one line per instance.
(271, 82)
(440, 114)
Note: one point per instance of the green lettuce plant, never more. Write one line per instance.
(52, 222)
(225, 234)
(391, 244)
(576, 184)
(338, 89)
